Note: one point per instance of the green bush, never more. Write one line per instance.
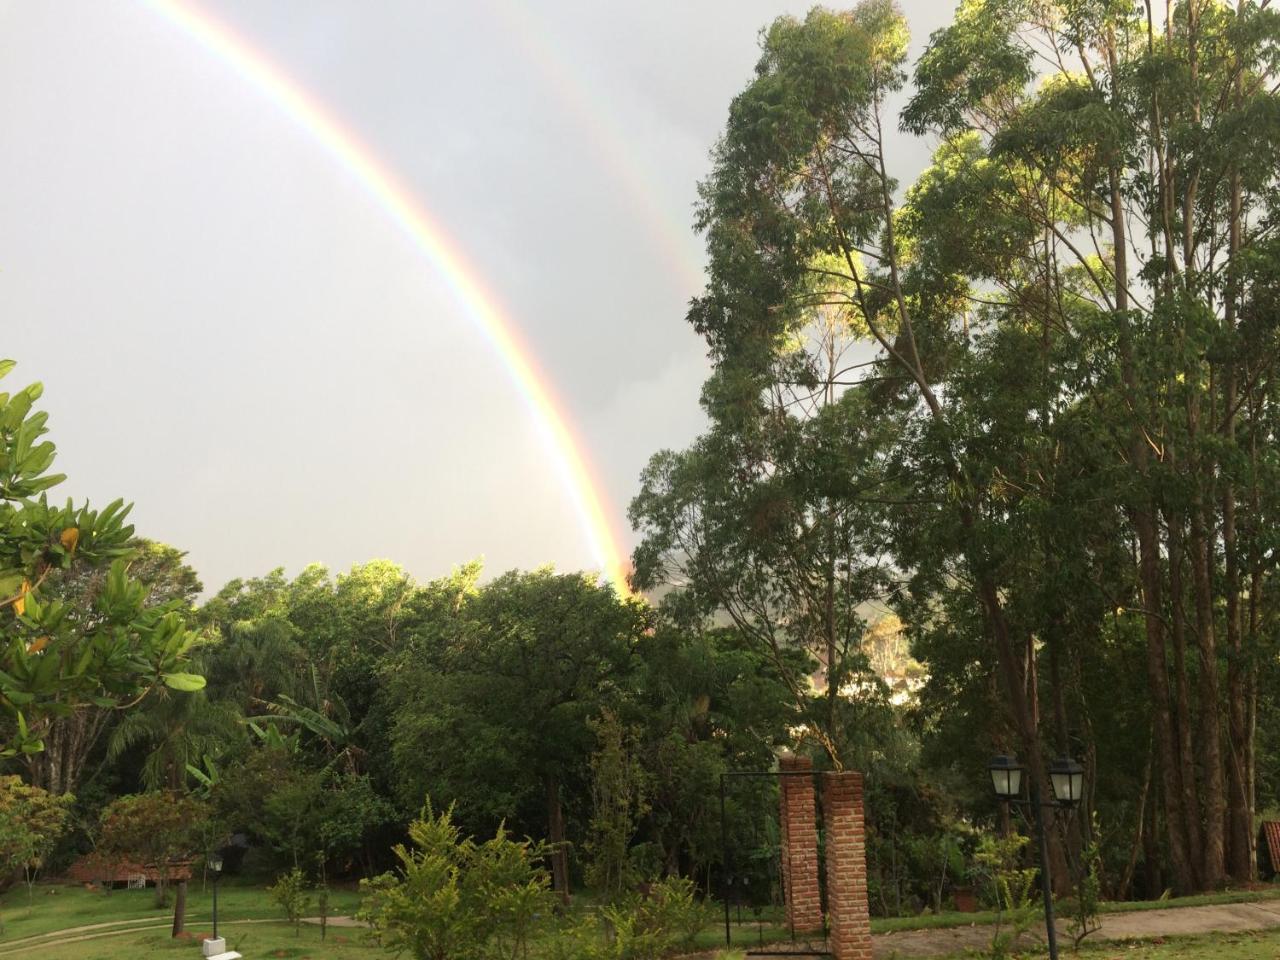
(289, 892)
(640, 927)
(1010, 887)
(454, 899)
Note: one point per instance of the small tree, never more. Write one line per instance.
(160, 830)
(618, 803)
(1084, 919)
(1008, 886)
(31, 821)
(453, 899)
(289, 892)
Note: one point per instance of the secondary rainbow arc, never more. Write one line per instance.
(479, 305)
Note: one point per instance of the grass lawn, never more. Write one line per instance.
(132, 926)
(268, 940)
(258, 940)
(60, 906)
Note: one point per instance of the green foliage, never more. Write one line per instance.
(160, 830)
(646, 926)
(1009, 887)
(618, 802)
(935, 859)
(307, 818)
(31, 821)
(176, 727)
(1059, 457)
(1086, 904)
(453, 898)
(55, 658)
(291, 894)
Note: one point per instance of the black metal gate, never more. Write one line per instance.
(752, 879)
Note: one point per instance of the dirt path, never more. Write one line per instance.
(117, 928)
(1139, 924)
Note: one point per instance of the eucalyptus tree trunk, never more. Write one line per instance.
(556, 837)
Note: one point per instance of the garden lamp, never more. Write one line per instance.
(1006, 777)
(214, 862)
(1067, 778)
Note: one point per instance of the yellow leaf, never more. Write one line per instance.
(20, 605)
(70, 537)
(38, 644)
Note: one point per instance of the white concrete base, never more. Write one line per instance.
(217, 950)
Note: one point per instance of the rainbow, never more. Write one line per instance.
(673, 236)
(478, 304)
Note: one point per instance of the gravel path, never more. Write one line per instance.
(1134, 925)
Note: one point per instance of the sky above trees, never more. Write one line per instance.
(234, 337)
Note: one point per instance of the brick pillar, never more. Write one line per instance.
(799, 846)
(848, 918)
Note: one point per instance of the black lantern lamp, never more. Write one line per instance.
(1006, 777)
(1067, 778)
(214, 862)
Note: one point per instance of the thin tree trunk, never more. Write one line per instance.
(1139, 840)
(1184, 868)
(1241, 852)
(1143, 516)
(1186, 770)
(1213, 787)
(180, 909)
(556, 836)
(1152, 875)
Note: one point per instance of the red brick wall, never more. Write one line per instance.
(844, 824)
(799, 846)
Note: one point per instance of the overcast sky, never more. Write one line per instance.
(234, 337)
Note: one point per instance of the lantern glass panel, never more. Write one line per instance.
(1067, 778)
(1006, 777)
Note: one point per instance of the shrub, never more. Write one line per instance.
(1084, 919)
(641, 927)
(289, 892)
(1009, 886)
(454, 899)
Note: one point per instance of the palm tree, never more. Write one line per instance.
(180, 729)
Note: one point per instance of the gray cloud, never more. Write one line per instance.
(232, 335)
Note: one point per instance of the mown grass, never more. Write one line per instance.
(277, 940)
(60, 906)
(257, 940)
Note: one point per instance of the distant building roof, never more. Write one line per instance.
(90, 869)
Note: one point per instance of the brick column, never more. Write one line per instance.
(848, 918)
(799, 845)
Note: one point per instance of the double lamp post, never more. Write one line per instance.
(1067, 779)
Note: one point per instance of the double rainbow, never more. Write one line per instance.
(478, 304)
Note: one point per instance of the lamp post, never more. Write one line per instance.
(215, 867)
(1067, 779)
